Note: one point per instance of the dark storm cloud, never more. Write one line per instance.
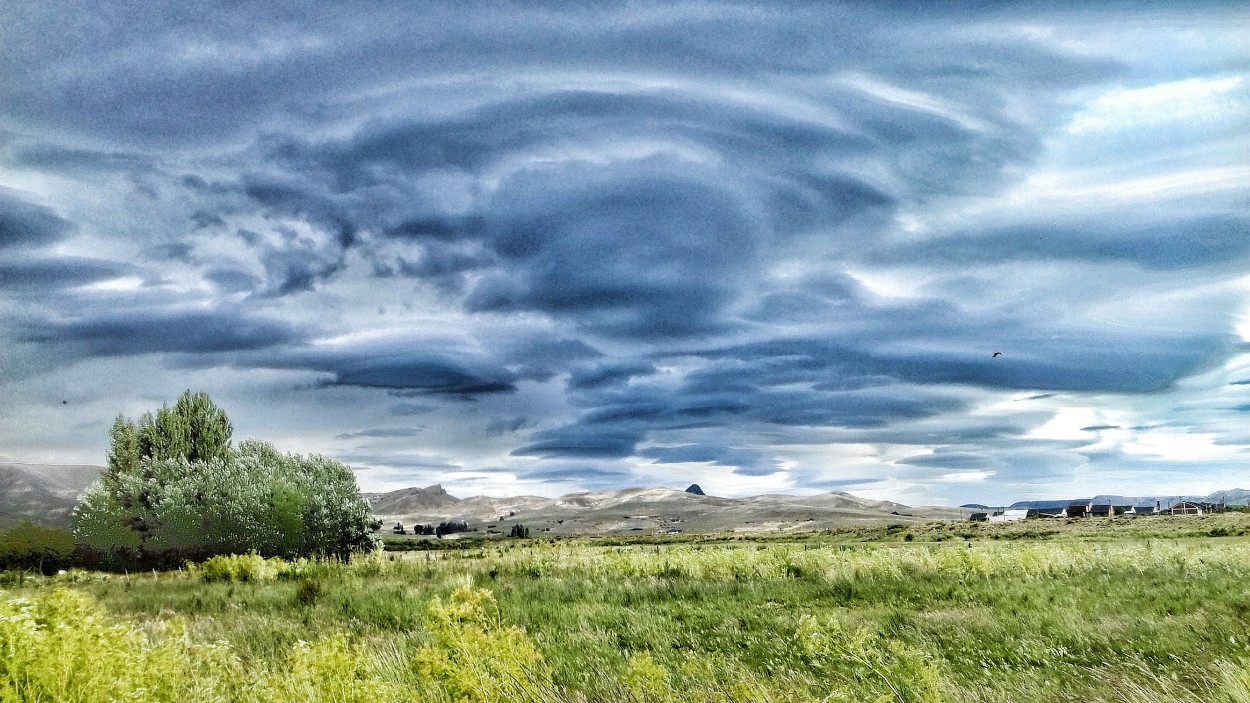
(586, 376)
(46, 274)
(444, 264)
(297, 268)
(645, 232)
(710, 186)
(395, 367)
(24, 224)
(45, 156)
(580, 255)
(140, 74)
(843, 484)
(376, 432)
(949, 460)
(746, 461)
(541, 357)
(232, 280)
(594, 439)
(424, 375)
(1173, 243)
(175, 330)
(400, 460)
(586, 473)
(622, 419)
(1091, 360)
(810, 301)
(409, 409)
(507, 425)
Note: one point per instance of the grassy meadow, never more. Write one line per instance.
(1127, 610)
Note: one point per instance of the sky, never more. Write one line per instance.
(542, 247)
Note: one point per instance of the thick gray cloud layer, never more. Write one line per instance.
(764, 247)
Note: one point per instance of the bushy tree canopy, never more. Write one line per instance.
(174, 486)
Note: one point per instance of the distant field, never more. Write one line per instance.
(1132, 610)
(1230, 524)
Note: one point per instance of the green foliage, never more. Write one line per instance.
(1235, 680)
(61, 646)
(519, 530)
(144, 457)
(334, 670)
(1140, 620)
(889, 669)
(123, 454)
(194, 429)
(308, 591)
(473, 657)
(239, 567)
(30, 546)
(175, 489)
(646, 680)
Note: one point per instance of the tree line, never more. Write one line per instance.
(176, 488)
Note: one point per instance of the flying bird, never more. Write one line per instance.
(995, 355)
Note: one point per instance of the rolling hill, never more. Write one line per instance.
(646, 510)
(42, 493)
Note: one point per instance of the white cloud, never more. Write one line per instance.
(1188, 100)
(966, 476)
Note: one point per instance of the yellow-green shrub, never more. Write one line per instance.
(887, 669)
(333, 669)
(646, 680)
(473, 657)
(61, 646)
(239, 567)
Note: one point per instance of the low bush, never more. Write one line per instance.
(61, 646)
(307, 593)
(473, 657)
(239, 567)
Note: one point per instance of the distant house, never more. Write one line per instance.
(1186, 507)
(979, 517)
(1043, 508)
(1011, 515)
(1108, 509)
(1146, 509)
(1080, 508)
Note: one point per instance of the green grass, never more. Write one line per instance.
(1142, 610)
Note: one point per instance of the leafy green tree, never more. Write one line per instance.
(195, 429)
(175, 488)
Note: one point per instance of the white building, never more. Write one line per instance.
(1010, 515)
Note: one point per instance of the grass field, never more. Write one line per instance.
(1142, 610)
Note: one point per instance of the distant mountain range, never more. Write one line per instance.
(47, 493)
(1235, 496)
(645, 510)
(42, 493)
